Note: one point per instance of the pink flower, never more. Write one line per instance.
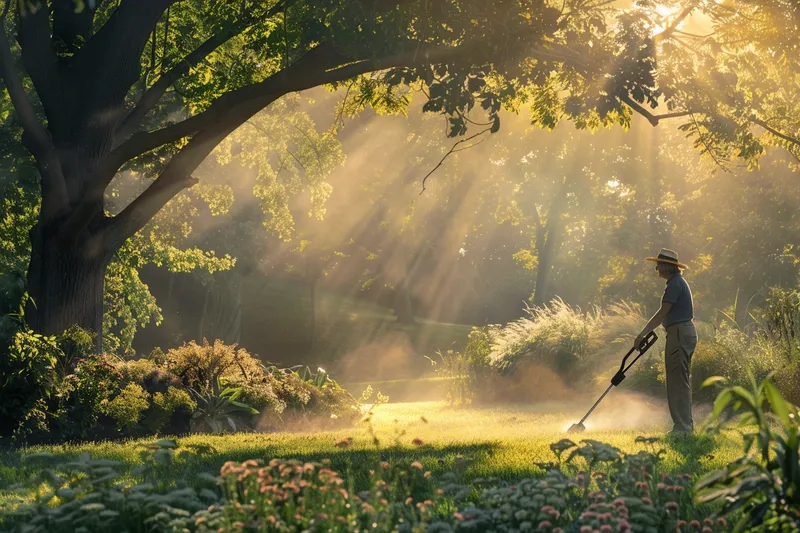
(721, 521)
(695, 524)
(605, 528)
(648, 501)
(672, 506)
(586, 529)
(458, 516)
(707, 529)
(417, 465)
(544, 524)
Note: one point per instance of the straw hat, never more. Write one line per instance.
(667, 256)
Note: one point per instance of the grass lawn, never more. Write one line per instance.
(504, 442)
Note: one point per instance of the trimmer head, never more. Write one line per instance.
(576, 428)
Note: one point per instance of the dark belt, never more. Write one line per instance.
(679, 323)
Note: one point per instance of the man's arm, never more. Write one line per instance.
(654, 322)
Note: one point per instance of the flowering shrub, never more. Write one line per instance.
(592, 488)
(289, 496)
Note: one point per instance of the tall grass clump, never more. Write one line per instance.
(566, 339)
(557, 336)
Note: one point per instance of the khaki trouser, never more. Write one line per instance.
(681, 342)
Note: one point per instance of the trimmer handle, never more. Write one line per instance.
(646, 344)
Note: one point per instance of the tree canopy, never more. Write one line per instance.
(153, 87)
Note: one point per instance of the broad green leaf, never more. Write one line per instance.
(777, 402)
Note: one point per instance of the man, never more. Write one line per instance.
(676, 315)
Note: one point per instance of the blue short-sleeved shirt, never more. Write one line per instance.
(679, 295)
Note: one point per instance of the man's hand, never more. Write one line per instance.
(639, 340)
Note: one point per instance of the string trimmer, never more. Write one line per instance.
(648, 341)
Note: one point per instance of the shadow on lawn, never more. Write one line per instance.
(692, 449)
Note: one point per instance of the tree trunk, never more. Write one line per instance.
(222, 309)
(547, 251)
(66, 285)
(545, 257)
(201, 329)
(312, 315)
(741, 312)
(403, 308)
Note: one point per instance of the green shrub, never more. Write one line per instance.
(218, 410)
(28, 382)
(166, 406)
(291, 390)
(127, 407)
(782, 320)
(764, 484)
(76, 411)
(199, 366)
(85, 494)
(732, 353)
(50, 390)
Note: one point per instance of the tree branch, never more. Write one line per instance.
(669, 30)
(319, 66)
(118, 45)
(175, 177)
(39, 60)
(776, 133)
(449, 152)
(35, 137)
(71, 28)
(153, 95)
(38, 139)
(651, 118)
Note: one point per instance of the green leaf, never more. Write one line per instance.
(777, 402)
(721, 402)
(712, 380)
